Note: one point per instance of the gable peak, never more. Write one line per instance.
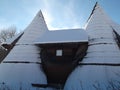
(40, 13)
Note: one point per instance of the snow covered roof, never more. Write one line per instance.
(22, 66)
(102, 44)
(63, 36)
(100, 68)
(34, 30)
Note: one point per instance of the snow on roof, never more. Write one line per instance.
(34, 30)
(63, 36)
(22, 66)
(92, 73)
(102, 45)
(24, 53)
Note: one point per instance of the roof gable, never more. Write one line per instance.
(34, 30)
(97, 17)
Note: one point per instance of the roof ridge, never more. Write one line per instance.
(96, 4)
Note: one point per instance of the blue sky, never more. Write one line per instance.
(58, 14)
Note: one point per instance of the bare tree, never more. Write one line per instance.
(7, 33)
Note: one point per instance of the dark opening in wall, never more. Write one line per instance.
(59, 60)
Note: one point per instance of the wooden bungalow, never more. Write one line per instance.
(60, 52)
